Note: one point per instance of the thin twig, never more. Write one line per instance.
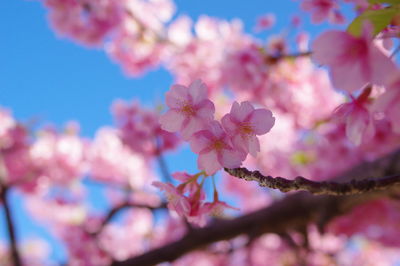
(315, 187)
(162, 163)
(10, 227)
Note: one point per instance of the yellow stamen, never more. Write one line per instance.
(188, 109)
(218, 145)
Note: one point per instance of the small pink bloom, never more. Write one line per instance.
(357, 117)
(217, 207)
(190, 110)
(388, 103)
(176, 200)
(244, 122)
(265, 22)
(215, 150)
(320, 9)
(189, 182)
(353, 61)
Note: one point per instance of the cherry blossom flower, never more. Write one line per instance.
(190, 110)
(217, 207)
(135, 122)
(388, 103)
(112, 161)
(215, 149)
(176, 200)
(244, 122)
(353, 61)
(265, 22)
(60, 156)
(322, 10)
(86, 21)
(357, 117)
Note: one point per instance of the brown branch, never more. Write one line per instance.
(315, 187)
(15, 256)
(270, 59)
(292, 212)
(125, 205)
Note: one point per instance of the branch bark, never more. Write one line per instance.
(315, 187)
(291, 213)
(10, 227)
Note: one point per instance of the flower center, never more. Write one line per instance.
(188, 109)
(218, 145)
(246, 129)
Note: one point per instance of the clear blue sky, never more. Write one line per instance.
(55, 80)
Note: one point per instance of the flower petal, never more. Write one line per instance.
(172, 121)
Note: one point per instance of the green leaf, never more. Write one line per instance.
(391, 2)
(378, 18)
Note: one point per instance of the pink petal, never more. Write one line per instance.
(323, 51)
(240, 143)
(176, 96)
(200, 141)
(172, 121)
(198, 91)
(242, 111)
(232, 158)
(216, 129)
(209, 162)
(206, 110)
(193, 125)
(253, 145)
(349, 77)
(356, 125)
(228, 125)
(262, 121)
(393, 116)
(383, 69)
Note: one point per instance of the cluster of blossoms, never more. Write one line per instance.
(188, 198)
(218, 144)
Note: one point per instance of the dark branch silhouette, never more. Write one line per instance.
(15, 256)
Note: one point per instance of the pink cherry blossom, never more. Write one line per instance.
(245, 69)
(86, 21)
(190, 109)
(135, 122)
(357, 117)
(217, 207)
(388, 103)
(353, 61)
(176, 200)
(322, 10)
(112, 161)
(244, 122)
(265, 22)
(61, 157)
(215, 149)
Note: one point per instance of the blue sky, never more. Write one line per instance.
(54, 80)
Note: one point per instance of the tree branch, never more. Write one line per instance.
(291, 213)
(10, 227)
(315, 187)
(112, 212)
